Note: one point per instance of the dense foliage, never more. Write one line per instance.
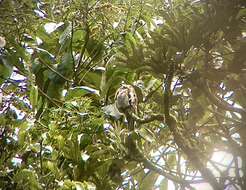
(61, 63)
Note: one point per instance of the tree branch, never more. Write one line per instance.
(192, 153)
(220, 102)
(148, 119)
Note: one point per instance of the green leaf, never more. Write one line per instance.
(93, 79)
(65, 38)
(22, 134)
(66, 34)
(42, 34)
(78, 37)
(65, 70)
(45, 55)
(66, 66)
(34, 96)
(50, 166)
(80, 91)
(55, 90)
(6, 69)
(73, 185)
(95, 49)
(84, 141)
(13, 58)
(60, 140)
(67, 61)
(130, 41)
(27, 178)
(20, 51)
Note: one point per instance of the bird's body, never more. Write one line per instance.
(126, 98)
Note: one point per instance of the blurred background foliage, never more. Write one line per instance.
(61, 62)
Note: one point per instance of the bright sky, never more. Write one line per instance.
(221, 157)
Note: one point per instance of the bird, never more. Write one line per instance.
(126, 102)
(126, 98)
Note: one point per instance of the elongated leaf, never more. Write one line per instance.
(34, 96)
(80, 91)
(66, 34)
(5, 69)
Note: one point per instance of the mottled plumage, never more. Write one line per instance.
(126, 98)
